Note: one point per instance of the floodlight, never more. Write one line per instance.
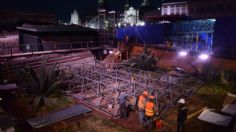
(183, 53)
(203, 56)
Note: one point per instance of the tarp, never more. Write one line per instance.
(215, 118)
(229, 109)
(58, 116)
(149, 34)
(8, 87)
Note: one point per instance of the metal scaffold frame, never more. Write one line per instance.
(111, 27)
(98, 85)
(101, 26)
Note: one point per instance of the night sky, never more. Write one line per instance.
(63, 8)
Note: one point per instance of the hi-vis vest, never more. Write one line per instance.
(149, 111)
(141, 104)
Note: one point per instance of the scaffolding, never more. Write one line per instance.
(99, 85)
(111, 27)
(196, 35)
(102, 26)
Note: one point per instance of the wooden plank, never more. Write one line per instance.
(58, 116)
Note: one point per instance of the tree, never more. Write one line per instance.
(145, 61)
(40, 83)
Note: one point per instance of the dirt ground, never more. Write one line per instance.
(100, 122)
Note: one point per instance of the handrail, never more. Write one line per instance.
(53, 47)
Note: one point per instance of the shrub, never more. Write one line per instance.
(145, 61)
(40, 83)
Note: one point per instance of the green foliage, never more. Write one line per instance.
(230, 79)
(145, 61)
(40, 83)
(208, 73)
(213, 95)
(211, 74)
(54, 103)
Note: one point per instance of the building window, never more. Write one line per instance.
(168, 10)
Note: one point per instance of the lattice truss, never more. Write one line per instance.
(99, 84)
(193, 26)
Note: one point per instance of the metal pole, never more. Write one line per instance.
(83, 86)
(11, 51)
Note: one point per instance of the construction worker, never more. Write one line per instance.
(150, 111)
(123, 104)
(182, 115)
(141, 106)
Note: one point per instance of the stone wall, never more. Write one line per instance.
(171, 58)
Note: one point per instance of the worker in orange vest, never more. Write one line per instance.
(141, 106)
(150, 110)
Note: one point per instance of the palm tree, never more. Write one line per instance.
(145, 61)
(208, 73)
(40, 83)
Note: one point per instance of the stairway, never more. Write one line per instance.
(113, 58)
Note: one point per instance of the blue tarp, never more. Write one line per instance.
(149, 34)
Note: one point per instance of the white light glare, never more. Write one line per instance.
(213, 20)
(142, 23)
(183, 53)
(119, 24)
(110, 52)
(203, 56)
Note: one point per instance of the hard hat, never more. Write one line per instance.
(145, 93)
(181, 101)
(152, 97)
(0, 99)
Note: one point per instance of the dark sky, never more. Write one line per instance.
(63, 8)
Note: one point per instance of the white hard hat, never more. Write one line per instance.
(181, 101)
(0, 99)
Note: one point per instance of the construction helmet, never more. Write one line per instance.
(152, 97)
(181, 101)
(145, 93)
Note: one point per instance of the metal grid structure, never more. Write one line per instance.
(196, 35)
(101, 26)
(99, 84)
(111, 27)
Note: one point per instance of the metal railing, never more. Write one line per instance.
(50, 47)
(4, 49)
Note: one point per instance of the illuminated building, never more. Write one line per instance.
(75, 18)
(175, 8)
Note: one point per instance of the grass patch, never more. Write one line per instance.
(94, 124)
(52, 103)
(212, 95)
(55, 103)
